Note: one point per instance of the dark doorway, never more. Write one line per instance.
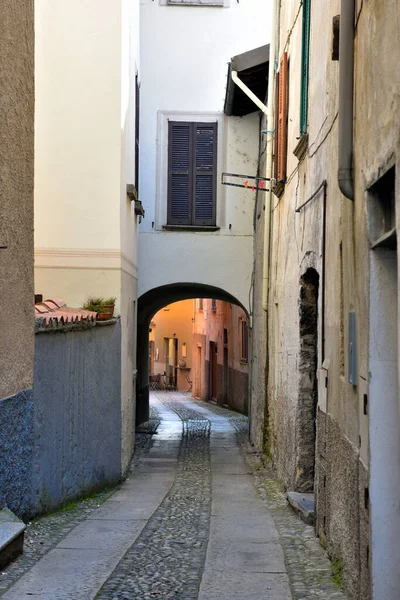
(213, 371)
(226, 374)
(308, 391)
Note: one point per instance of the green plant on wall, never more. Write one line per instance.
(94, 303)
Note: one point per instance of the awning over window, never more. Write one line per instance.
(252, 68)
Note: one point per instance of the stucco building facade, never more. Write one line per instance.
(171, 339)
(220, 354)
(325, 347)
(198, 242)
(16, 246)
(86, 175)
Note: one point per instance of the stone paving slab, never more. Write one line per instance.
(67, 574)
(244, 556)
(307, 564)
(198, 519)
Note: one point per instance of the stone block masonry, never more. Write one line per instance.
(16, 451)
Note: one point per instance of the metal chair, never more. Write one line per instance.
(154, 382)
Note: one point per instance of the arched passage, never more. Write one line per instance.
(148, 304)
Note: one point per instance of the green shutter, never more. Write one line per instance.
(305, 50)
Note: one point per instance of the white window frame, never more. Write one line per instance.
(207, 3)
(163, 117)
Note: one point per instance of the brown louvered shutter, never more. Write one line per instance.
(205, 175)
(179, 173)
(276, 117)
(282, 119)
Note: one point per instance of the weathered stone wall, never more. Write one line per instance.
(308, 363)
(329, 234)
(16, 452)
(16, 196)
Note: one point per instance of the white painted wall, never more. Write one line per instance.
(384, 425)
(184, 56)
(86, 230)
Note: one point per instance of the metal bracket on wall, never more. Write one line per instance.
(257, 185)
(352, 348)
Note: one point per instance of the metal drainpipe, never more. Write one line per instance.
(346, 86)
(270, 150)
(269, 112)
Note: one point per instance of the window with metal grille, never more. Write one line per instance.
(245, 342)
(192, 173)
(305, 51)
(213, 305)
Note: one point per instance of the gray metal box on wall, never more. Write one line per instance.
(352, 349)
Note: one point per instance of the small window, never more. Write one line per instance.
(382, 211)
(213, 305)
(192, 173)
(245, 342)
(200, 303)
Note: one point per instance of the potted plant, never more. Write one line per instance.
(103, 307)
(107, 311)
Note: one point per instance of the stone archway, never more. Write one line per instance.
(308, 389)
(148, 304)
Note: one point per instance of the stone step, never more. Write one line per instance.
(11, 537)
(303, 505)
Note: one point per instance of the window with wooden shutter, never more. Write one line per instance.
(192, 173)
(305, 51)
(281, 126)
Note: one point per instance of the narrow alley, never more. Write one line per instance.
(198, 518)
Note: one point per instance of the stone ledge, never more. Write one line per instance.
(11, 537)
(303, 505)
(43, 326)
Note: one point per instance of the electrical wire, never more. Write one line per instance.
(292, 27)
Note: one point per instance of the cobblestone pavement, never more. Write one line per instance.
(167, 557)
(307, 564)
(44, 533)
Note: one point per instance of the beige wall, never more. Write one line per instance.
(209, 327)
(87, 55)
(16, 196)
(174, 321)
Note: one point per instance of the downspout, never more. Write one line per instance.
(269, 156)
(346, 86)
(268, 110)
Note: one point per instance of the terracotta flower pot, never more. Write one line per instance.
(107, 312)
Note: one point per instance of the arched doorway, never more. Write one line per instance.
(148, 304)
(308, 390)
